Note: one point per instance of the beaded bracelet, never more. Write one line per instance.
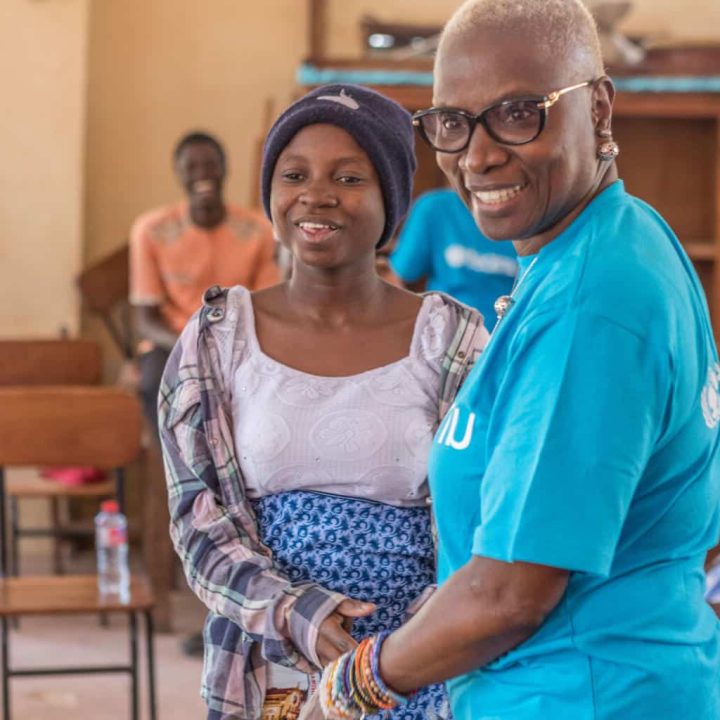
(351, 687)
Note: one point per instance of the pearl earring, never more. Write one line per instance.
(608, 150)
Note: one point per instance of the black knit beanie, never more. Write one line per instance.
(381, 127)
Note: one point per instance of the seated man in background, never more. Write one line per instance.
(178, 251)
(441, 248)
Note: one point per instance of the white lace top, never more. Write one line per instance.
(366, 435)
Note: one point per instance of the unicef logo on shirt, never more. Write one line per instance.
(710, 398)
(458, 256)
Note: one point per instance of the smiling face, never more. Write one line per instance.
(325, 199)
(201, 171)
(526, 191)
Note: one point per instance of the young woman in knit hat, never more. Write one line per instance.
(296, 421)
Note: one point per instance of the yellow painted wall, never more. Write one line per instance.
(43, 59)
(695, 20)
(97, 91)
(161, 67)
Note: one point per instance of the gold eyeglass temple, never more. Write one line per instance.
(554, 96)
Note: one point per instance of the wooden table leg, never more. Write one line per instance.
(158, 551)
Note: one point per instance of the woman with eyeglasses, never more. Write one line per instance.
(576, 479)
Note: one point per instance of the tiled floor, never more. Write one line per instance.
(81, 640)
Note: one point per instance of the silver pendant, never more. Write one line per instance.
(502, 305)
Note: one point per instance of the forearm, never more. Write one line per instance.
(152, 326)
(224, 564)
(234, 577)
(468, 623)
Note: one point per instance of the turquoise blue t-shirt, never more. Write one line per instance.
(440, 241)
(586, 438)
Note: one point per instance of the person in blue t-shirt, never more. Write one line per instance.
(576, 479)
(441, 248)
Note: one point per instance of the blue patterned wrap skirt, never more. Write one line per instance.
(364, 549)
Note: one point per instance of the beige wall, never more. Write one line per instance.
(161, 67)
(144, 71)
(695, 20)
(43, 55)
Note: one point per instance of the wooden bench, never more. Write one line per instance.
(99, 427)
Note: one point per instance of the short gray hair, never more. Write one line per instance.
(565, 26)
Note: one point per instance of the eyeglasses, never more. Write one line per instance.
(517, 121)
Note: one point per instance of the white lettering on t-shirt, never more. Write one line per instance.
(447, 435)
(457, 256)
(710, 397)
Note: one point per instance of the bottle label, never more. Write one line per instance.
(113, 537)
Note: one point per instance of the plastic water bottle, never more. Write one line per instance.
(111, 544)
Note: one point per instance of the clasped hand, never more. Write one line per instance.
(334, 637)
(334, 640)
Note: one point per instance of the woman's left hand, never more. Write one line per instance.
(312, 710)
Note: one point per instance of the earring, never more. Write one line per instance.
(608, 150)
(604, 132)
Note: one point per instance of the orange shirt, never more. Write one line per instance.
(173, 261)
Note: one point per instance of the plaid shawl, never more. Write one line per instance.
(264, 616)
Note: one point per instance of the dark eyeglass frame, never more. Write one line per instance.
(544, 102)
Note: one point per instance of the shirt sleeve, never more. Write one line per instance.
(412, 258)
(225, 564)
(146, 286)
(576, 421)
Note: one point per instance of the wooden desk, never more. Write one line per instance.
(75, 595)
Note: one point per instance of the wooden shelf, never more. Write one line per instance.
(668, 105)
(701, 251)
(670, 157)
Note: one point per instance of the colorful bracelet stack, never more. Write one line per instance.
(351, 687)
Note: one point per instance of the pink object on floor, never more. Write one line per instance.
(73, 475)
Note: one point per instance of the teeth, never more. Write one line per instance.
(498, 196)
(317, 226)
(203, 186)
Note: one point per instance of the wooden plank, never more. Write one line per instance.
(68, 595)
(668, 162)
(317, 27)
(106, 282)
(98, 427)
(701, 251)
(667, 105)
(36, 486)
(418, 64)
(50, 362)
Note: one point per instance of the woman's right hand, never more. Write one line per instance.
(334, 637)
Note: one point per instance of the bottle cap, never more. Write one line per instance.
(109, 506)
